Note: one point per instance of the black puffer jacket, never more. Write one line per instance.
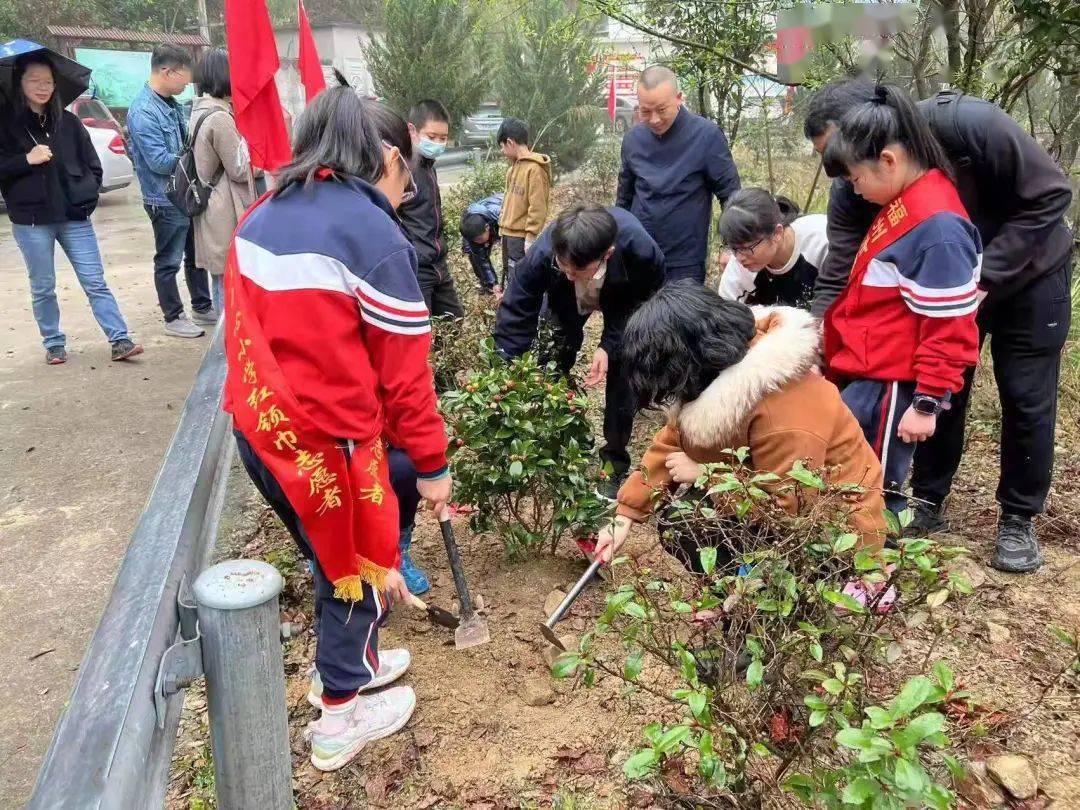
(421, 217)
(1014, 192)
(63, 189)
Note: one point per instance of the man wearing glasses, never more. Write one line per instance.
(158, 131)
(591, 259)
(673, 163)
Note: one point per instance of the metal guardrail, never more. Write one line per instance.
(113, 746)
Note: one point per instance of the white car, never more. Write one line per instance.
(108, 140)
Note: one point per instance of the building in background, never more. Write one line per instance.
(340, 46)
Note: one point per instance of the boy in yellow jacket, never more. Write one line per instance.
(528, 185)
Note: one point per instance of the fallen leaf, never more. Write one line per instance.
(590, 764)
(424, 738)
(430, 800)
(40, 653)
(568, 753)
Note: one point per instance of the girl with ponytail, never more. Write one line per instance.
(775, 253)
(902, 333)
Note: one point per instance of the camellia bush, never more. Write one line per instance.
(778, 652)
(523, 453)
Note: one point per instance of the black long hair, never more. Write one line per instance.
(867, 129)
(53, 109)
(680, 339)
(344, 133)
(753, 213)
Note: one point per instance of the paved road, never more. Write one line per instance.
(79, 448)
(80, 445)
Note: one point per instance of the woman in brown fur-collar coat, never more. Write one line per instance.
(733, 377)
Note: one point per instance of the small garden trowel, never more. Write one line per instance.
(436, 615)
(472, 631)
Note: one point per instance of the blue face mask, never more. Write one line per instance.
(430, 149)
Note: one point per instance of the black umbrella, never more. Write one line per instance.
(72, 79)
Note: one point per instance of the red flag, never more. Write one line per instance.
(611, 94)
(253, 61)
(311, 74)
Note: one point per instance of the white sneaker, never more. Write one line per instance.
(342, 731)
(183, 327)
(392, 665)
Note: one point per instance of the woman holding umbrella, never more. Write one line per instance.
(50, 177)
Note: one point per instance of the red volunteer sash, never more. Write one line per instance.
(931, 194)
(340, 490)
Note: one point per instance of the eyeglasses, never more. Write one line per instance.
(745, 250)
(411, 191)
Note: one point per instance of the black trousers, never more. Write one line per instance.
(695, 272)
(1027, 331)
(513, 251)
(619, 403)
(440, 295)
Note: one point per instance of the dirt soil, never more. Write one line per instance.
(474, 742)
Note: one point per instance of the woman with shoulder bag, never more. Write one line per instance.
(50, 177)
(223, 162)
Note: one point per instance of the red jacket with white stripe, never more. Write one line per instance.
(332, 280)
(911, 316)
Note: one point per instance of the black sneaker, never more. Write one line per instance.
(608, 489)
(123, 349)
(1017, 549)
(928, 519)
(55, 355)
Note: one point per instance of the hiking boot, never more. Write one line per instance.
(1017, 549)
(123, 349)
(183, 328)
(392, 665)
(55, 355)
(415, 579)
(208, 317)
(928, 519)
(608, 488)
(342, 731)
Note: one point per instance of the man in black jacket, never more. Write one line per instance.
(421, 217)
(1017, 197)
(673, 164)
(590, 259)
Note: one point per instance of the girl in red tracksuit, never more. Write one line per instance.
(901, 334)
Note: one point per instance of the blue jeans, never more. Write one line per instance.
(174, 241)
(38, 246)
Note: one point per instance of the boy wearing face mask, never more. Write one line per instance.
(421, 217)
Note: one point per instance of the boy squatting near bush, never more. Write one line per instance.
(479, 235)
(528, 187)
(734, 377)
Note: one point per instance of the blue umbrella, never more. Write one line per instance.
(72, 79)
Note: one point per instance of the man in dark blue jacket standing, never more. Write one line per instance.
(590, 259)
(673, 164)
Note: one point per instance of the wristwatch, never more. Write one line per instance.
(927, 405)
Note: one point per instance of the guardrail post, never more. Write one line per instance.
(245, 684)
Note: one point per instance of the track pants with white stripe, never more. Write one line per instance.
(347, 633)
(878, 407)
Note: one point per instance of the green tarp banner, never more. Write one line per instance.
(117, 76)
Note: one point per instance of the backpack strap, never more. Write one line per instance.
(944, 109)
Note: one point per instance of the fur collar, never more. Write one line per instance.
(786, 348)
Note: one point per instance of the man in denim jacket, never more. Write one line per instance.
(157, 132)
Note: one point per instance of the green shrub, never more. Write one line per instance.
(522, 453)
(770, 656)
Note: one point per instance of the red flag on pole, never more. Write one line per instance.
(611, 93)
(253, 61)
(311, 73)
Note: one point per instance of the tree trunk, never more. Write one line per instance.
(768, 144)
(1066, 143)
(950, 20)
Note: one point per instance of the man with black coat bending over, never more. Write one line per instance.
(589, 259)
(673, 164)
(1017, 197)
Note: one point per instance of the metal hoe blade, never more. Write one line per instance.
(472, 632)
